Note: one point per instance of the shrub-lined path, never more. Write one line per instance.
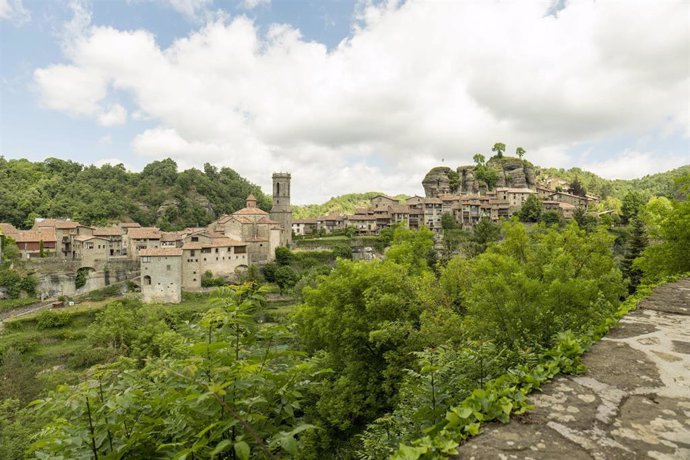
(632, 402)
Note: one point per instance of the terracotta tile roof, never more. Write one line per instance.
(398, 209)
(172, 236)
(304, 221)
(46, 234)
(515, 190)
(193, 245)
(160, 252)
(386, 197)
(432, 200)
(566, 206)
(250, 212)
(331, 217)
(56, 223)
(8, 229)
(129, 225)
(358, 217)
(107, 231)
(267, 220)
(88, 237)
(144, 233)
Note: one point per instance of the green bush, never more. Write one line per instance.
(102, 294)
(49, 319)
(11, 304)
(89, 356)
(208, 280)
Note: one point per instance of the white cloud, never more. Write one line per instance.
(384, 106)
(105, 140)
(192, 9)
(14, 11)
(251, 4)
(632, 164)
(114, 115)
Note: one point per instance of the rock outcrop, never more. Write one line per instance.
(512, 172)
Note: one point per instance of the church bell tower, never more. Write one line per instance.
(281, 212)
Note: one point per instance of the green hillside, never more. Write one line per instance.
(343, 204)
(651, 185)
(159, 195)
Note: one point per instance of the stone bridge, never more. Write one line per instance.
(633, 401)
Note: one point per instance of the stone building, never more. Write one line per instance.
(254, 227)
(221, 256)
(65, 231)
(281, 212)
(88, 249)
(303, 227)
(161, 274)
(33, 243)
(142, 238)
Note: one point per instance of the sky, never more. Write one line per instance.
(347, 95)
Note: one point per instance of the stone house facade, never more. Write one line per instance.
(161, 274)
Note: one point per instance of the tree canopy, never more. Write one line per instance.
(159, 195)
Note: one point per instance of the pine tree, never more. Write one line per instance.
(637, 243)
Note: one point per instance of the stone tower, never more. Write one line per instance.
(281, 212)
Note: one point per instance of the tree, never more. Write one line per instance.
(552, 218)
(520, 152)
(499, 148)
(285, 278)
(483, 234)
(632, 203)
(531, 209)
(636, 244)
(360, 322)
(479, 159)
(670, 254)
(283, 255)
(269, 272)
(230, 384)
(448, 221)
(576, 188)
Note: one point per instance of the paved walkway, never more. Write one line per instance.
(633, 401)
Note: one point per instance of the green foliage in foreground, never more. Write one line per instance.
(669, 227)
(507, 395)
(216, 386)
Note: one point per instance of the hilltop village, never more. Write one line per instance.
(166, 263)
(458, 193)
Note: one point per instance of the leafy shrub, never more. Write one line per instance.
(208, 280)
(88, 356)
(102, 294)
(49, 319)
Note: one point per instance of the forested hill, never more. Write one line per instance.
(342, 204)
(652, 185)
(159, 195)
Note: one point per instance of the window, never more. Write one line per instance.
(195, 239)
(206, 251)
(192, 252)
(145, 259)
(147, 280)
(240, 249)
(167, 267)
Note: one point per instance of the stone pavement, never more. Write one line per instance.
(633, 401)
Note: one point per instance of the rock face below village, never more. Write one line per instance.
(512, 172)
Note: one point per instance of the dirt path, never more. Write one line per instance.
(633, 401)
(24, 310)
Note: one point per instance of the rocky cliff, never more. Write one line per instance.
(507, 172)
